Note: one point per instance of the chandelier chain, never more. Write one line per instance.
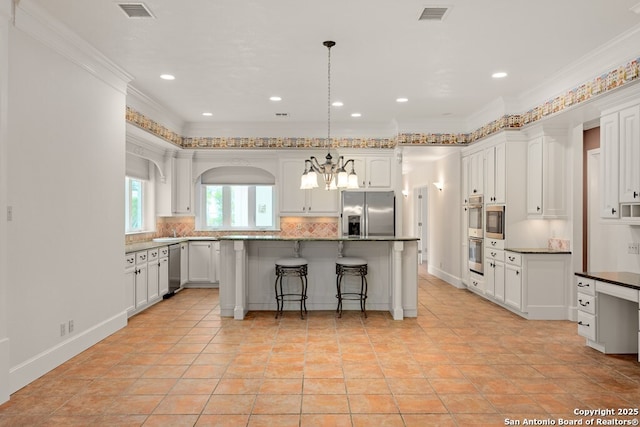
(329, 98)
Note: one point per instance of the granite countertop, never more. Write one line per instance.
(325, 239)
(622, 278)
(166, 241)
(537, 251)
(142, 246)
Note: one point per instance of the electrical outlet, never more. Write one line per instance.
(63, 329)
(70, 326)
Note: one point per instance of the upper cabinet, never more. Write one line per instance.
(619, 159)
(294, 201)
(546, 177)
(630, 155)
(182, 194)
(609, 155)
(495, 162)
(476, 174)
(373, 172)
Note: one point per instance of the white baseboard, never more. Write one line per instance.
(35, 367)
(4, 370)
(443, 275)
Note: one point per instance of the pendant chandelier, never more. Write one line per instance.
(335, 175)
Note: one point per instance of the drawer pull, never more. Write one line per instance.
(583, 285)
(493, 243)
(583, 304)
(493, 254)
(512, 258)
(583, 324)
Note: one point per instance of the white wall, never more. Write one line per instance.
(65, 157)
(5, 17)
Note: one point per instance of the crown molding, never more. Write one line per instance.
(37, 23)
(153, 109)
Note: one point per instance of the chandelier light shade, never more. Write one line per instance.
(334, 175)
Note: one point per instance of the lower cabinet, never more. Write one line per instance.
(146, 278)
(476, 283)
(513, 280)
(202, 266)
(494, 273)
(533, 285)
(608, 316)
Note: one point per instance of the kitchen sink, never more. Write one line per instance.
(168, 239)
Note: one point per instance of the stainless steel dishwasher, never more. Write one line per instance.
(174, 270)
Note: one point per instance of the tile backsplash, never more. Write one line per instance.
(559, 244)
(289, 227)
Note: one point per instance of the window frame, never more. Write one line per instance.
(128, 202)
(226, 208)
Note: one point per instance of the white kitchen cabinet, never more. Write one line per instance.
(608, 314)
(202, 262)
(513, 281)
(294, 201)
(141, 280)
(609, 166)
(465, 181)
(495, 162)
(373, 172)
(184, 263)
(546, 178)
(476, 283)
(153, 275)
(163, 276)
(629, 134)
(494, 273)
(476, 173)
(130, 274)
(182, 191)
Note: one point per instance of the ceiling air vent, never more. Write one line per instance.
(135, 10)
(433, 14)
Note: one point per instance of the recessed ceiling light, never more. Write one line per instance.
(356, 115)
(275, 98)
(337, 104)
(402, 99)
(499, 75)
(207, 114)
(167, 77)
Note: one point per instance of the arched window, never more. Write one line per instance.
(236, 198)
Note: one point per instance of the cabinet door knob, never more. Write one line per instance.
(517, 273)
(538, 208)
(635, 194)
(613, 211)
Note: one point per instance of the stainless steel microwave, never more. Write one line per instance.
(494, 224)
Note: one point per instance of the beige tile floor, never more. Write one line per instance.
(462, 362)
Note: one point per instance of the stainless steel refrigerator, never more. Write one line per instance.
(368, 213)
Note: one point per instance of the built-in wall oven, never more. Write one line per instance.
(494, 227)
(475, 255)
(475, 217)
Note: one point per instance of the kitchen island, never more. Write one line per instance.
(248, 273)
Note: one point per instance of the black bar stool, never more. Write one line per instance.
(347, 266)
(294, 267)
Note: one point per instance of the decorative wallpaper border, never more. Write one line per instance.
(616, 78)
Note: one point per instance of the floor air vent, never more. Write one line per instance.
(135, 10)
